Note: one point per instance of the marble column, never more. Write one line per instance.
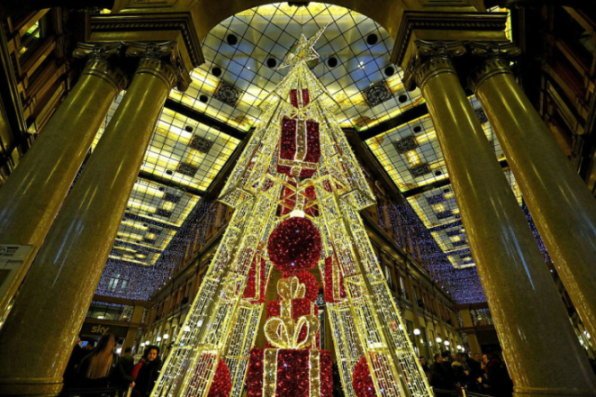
(34, 192)
(528, 312)
(560, 203)
(38, 336)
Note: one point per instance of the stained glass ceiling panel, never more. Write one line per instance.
(439, 212)
(183, 158)
(411, 155)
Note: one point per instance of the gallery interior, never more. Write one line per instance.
(297, 199)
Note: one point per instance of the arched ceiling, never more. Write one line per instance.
(201, 128)
(242, 53)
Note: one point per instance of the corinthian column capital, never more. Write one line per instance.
(101, 59)
(162, 59)
(432, 58)
(492, 58)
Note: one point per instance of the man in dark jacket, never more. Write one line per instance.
(70, 374)
(475, 377)
(441, 377)
(127, 363)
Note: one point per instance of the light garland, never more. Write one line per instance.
(142, 281)
(334, 290)
(462, 284)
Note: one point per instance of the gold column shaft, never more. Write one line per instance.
(528, 312)
(33, 194)
(55, 297)
(560, 203)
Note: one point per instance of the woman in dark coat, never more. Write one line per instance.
(146, 372)
(101, 368)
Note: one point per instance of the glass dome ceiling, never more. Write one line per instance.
(203, 128)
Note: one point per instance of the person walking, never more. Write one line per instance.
(100, 370)
(475, 376)
(441, 378)
(127, 363)
(71, 372)
(497, 377)
(146, 371)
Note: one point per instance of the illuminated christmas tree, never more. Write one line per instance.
(296, 190)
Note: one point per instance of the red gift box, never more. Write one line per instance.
(300, 307)
(299, 147)
(299, 101)
(289, 373)
(255, 285)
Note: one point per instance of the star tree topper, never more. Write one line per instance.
(303, 51)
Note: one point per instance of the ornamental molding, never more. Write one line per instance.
(501, 49)
(102, 62)
(476, 60)
(494, 58)
(161, 59)
(432, 58)
(117, 62)
(100, 50)
(443, 21)
(180, 22)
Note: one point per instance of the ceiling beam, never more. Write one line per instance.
(140, 247)
(441, 183)
(152, 221)
(455, 223)
(426, 188)
(402, 118)
(218, 183)
(364, 154)
(169, 183)
(204, 119)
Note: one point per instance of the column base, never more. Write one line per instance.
(39, 387)
(541, 392)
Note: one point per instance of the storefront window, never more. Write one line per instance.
(110, 311)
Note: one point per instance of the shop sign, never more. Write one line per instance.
(102, 329)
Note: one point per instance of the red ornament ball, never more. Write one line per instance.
(222, 381)
(361, 379)
(294, 245)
